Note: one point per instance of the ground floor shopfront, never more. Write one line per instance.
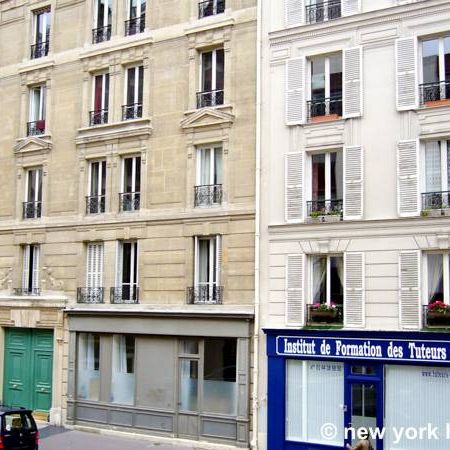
(161, 374)
(325, 385)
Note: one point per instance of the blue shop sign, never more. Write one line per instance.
(365, 349)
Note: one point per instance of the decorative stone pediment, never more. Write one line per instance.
(206, 118)
(33, 145)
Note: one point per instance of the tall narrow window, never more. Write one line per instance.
(210, 8)
(102, 21)
(322, 10)
(32, 206)
(41, 33)
(36, 112)
(136, 17)
(88, 366)
(93, 292)
(326, 86)
(30, 271)
(126, 290)
(438, 290)
(95, 201)
(211, 79)
(100, 100)
(130, 197)
(208, 189)
(123, 377)
(134, 90)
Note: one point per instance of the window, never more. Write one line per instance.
(211, 78)
(208, 189)
(123, 377)
(326, 184)
(435, 69)
(134, 89)
(322, 10)
(41, 33)
(326, 86)
(102, 21)
(210, 8)
(30, 272)
(327, 280)
(130, 197)
(136, 17)
(95, 201)
(127, 290)
(100, 100)
(88, 366)
(32, 207)
(93, 292)
(36, 114)
(438, 277)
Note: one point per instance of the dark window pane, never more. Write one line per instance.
(206, 71)
(430, 61)
(219, 69)
(318, 177)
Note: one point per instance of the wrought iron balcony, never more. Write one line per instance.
(208, 195)
(36, 128)
(324, 315)
(95, 204)
(316, 208)
(209, 98)
(32, 210)
(40, 49)
(27, 291)
(101, 34)
(135, 26)
(435, 319)
(129, 201)
(207, 294)
(433, 92)
(124, 294)
(133, 111)
(98, 117)
(319, 107)
(435, 200)
(90, 295)
(210, 8)
(321, 12)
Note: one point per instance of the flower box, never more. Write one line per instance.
(438, 314)
(323, 316)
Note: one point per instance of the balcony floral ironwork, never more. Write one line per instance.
(210, 8)
(322, 208)
(27, 291)
(434, 92)
(322, 107)
(36, 128)
(98, 117)
(324, 314)
(436, 315)
(204, 294)
(90, 294)
(101, 34)
(95, 204)
(124, 294)
(132, 111)
(32, 210)
(208, 195)
(129, 201)
(320, 12)
(40, 49)
(435, 203)
(209, 98)
(135, 25)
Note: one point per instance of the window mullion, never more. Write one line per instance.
(446, 273)
(327, 176)
(211, 165)
(328, 280)
(100, 178)
(213, 68)
(327, 77)
(136, 84)
(133, 174)
(36, 186)
(441, 61)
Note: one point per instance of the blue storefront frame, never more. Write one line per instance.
(387, 348)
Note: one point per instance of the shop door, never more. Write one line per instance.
(188, 398)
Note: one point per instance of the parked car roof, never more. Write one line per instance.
(9, 410)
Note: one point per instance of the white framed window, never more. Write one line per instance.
(437, 278)
(100, 89)
(212, 72)
(134, 85)
(130, 197)
(36, 110)
(127, 289)
(323, 10)
(30, 270)
(102, 13)
(327, 279)
(33, 194)
(96, 187)
(123, 369)
(88, 366)
(208, 189)
(136, 8)
(210, 8)
(41, 26)
(94, 265)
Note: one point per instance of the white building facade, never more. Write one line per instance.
(355, 233)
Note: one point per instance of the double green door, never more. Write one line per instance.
(28, 368)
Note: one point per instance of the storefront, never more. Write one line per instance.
(324, 386)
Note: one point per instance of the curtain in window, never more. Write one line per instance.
(203, 261)
(205, 165)
(319, 268)
(435, 277)
(218, 165)
(337, 176)
(433, 166)
(337, 286)
(88, 366)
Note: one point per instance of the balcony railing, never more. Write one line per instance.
(95, 204)
(319, 107)
(435, 200)
(323, 11)
(32, 210)
(208, 195)
(36, 128)
(40, 49)
(204, 295)
(98, 117)
(433, 92)
(333, 316)
(209, 98)
(101, 34)
(135, 26)
(90, 295)
(316, 208)
(27, 291)
(124, 294)
(433, 319)
(133, 111)
(210, 8)
(129, 201)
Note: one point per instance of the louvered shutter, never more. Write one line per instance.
(218, 259)
(353, 82)
(353, 182)
(94, 266)
(294, 187)
(295, 91)
(409, 289)
(350, 7)
(294, 12)
(406, 68)
(354, 295)
(26, 266)
(408, 199)
(295, 300)
(35, 279)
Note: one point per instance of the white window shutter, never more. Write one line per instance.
(295, 298)
(218, 259)
(36, 254)
(406, 68)
(354, 290)
(353, 182)
(294, 187)
(26, 266)
(350, 7)
(409, 276)
(408, 198)
(295, 91)
(353, 96)
(94, 265)
(294, 12)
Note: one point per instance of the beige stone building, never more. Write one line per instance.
(127, 215)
